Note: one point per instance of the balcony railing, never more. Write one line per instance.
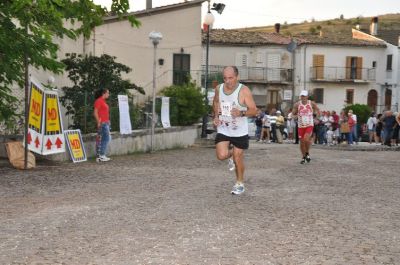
(257, 74)
(342, 74)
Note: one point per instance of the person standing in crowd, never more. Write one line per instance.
(389, 122)
(352, 123)
(272, 120)
(344, 127)
(280, 123)
(323, 127)
(395, 138)
(266, 128)
(304, 110)
(354, 129)
(335, 125)
(290, 124)
(378, 129)
(258, 122)
(102, 115)
(371, 123)
(233, 103)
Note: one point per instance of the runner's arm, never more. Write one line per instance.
(249, 102)
(216, 107)
(315, 108)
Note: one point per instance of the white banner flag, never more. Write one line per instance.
(165, 112)
(125, 126)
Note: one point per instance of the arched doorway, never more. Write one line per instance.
(388, 99)
(372, 99)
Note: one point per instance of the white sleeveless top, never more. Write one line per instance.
(305, 115)
(231, 126)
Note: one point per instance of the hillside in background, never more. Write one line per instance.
(332, 26)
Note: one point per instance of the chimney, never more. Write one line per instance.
(149, 4)
(373, 29)
(277, 27)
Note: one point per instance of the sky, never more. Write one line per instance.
(253, 13)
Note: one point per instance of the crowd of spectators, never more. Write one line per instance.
(330, 128)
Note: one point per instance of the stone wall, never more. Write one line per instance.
(138, 141)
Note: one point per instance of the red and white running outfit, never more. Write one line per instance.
(305, 119)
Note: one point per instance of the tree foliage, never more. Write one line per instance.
(28, 29)
(361, 110)
(88, 74)
(189, 102)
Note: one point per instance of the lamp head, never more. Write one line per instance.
(209, 19)
(155, 37)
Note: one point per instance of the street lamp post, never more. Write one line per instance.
(208, 21)
(155, 37)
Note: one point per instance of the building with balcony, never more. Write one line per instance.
(265, 65)
(387, 94)
(337, 70)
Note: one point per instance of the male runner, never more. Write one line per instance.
(304, 110)
(233, 103)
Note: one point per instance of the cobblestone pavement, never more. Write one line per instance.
(175, 207)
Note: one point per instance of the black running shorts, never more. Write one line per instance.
(241, 142)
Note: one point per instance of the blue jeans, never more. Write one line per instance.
(350, 138)
(258, 132)
(322, 135)
(354, 133)
(102, 138)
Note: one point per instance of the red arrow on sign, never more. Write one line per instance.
(58, 142)
(29, 138)
(49, 144)
(37, 142)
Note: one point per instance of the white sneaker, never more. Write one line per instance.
(237, 189)
(103, 158)
(231, 164)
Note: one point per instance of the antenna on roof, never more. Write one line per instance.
(292, 45)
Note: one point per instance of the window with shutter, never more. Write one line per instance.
(241, 60)
(359, 68)
(273, 66)
(318, 66)
(318, 95)
(389, 59)
(348, 67)
(350, 96)
(181, 68)
(353, 67)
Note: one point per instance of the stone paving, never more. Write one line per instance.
(175, 207)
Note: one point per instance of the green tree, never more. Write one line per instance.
(189, 103)
(28, 29)
(88, 74)
(361, 110)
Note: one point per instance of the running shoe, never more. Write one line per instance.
(308, 158)
(303, 161)
(231, 164)
(237, 189)
(102, 158)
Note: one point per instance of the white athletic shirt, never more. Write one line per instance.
(305, 115)
(231, 126)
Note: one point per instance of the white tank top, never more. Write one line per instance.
(305, 115)
(231, 126)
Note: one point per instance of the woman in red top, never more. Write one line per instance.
(102, 115)
(352, 123)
